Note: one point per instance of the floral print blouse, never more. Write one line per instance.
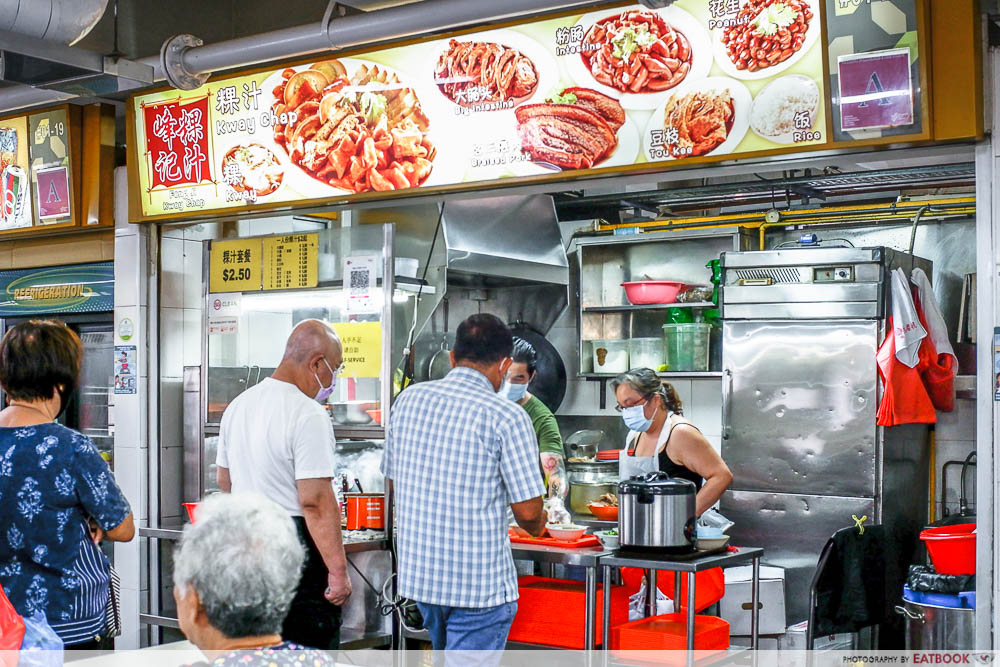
(51, 480)
(285, 654)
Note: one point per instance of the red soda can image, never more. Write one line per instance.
(12, 185)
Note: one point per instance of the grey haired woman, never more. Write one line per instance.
(235, 574)
(661, 439)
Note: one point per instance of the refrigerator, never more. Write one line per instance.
(801, 327)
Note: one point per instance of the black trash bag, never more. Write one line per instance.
(923, 579)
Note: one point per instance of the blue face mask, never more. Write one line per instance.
(514, 392)
(635, 418)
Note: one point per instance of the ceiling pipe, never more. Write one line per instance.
(63, 21)
(19, 96)
(340, 33)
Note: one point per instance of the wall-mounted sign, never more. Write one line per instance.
(362, 346)
(612, 89)
(291, 262)
(82, 288)
(234, 266)
(224, 313)
(876, 90)
(126, 370)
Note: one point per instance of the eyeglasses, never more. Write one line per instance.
(645, 399)
(339, 370)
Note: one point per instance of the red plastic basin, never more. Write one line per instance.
(952, 548)
(642, 292)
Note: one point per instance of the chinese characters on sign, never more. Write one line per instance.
(177, 142)
(362, 343)
(291, 262)
(876, 90)
(235, 266)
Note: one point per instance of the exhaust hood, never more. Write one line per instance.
(504, 241)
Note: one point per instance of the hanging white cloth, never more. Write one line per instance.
(907, 329)
(936, 326)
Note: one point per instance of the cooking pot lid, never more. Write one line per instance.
(658, 483)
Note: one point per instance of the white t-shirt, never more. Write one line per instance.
(272, 435)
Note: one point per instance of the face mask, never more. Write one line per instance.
(513, 392)
(324, 392)
(635, 418)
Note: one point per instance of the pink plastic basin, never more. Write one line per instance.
(641, 292)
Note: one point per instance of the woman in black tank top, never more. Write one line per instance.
(649, 406)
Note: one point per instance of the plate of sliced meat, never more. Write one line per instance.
(489, 72)
(578, 128)
(707, 117)
(638, 55)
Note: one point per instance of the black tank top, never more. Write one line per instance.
(668, 466)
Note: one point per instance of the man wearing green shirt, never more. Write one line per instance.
(550, 445)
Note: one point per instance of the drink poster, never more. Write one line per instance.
(15, 200)
(594, 92)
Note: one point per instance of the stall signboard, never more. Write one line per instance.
(82, 288)
(362, 346)
(291, 262)
(617, 89)
(235, 266)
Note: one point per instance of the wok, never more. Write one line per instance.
(549, 384)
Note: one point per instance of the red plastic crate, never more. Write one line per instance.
(551, 612)
(669, 632)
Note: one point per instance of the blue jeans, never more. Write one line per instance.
(463, 629)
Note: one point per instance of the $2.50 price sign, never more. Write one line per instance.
(235, 266)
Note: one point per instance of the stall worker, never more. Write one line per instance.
(59, 497)
(550, 444)
(661, 439)
(456, 456)
(235, 573)
(277, 440)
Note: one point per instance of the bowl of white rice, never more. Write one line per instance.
(777, 108)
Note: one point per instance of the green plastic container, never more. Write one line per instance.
(685, 346)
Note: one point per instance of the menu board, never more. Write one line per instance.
(234, 266)
(611, 89)
(35, 178)
(291, 262)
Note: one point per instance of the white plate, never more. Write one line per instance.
(727, 66)
(545, 68)
(624, 154)
(741, 114)
(448, 167)
(697, 36)
(769, 89)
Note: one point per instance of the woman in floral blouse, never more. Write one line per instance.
(53, 485)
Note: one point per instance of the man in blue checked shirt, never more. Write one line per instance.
(457, 455)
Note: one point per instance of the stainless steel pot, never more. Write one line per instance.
(656, 511)
(582, 494)
(931, 628)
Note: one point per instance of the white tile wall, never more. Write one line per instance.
(132, 476)
(192, 274)
(192, 336)
(171, 273)
(706, 406)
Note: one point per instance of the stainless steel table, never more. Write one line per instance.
(589, 558)
(690, 566)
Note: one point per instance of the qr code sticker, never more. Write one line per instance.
(360, 282)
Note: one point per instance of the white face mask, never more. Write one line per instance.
(513, 392)
(635, 417)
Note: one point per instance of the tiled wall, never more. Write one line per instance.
(956, 437)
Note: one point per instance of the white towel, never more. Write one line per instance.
(906, 323)
(938, 330)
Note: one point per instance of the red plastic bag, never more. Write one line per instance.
(709, 586)
(904, 397)
(11, 632)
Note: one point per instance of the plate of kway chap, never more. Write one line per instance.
(639, 55)
(574, 128)
(769, 37)
(352, 126)
(489, 73)
(704, 117)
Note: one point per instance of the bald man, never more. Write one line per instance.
(276, 439)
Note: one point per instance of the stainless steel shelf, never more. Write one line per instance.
(355, 640)
(694, 375)
(374, 432)
(653, 306)
(361, 547)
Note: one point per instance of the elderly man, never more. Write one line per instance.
(457, 455)
(235, 574)
(277, 440)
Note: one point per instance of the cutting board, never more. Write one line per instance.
(585, 541)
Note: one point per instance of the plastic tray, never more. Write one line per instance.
(585, 541)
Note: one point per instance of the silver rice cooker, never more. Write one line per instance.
(657, 511)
